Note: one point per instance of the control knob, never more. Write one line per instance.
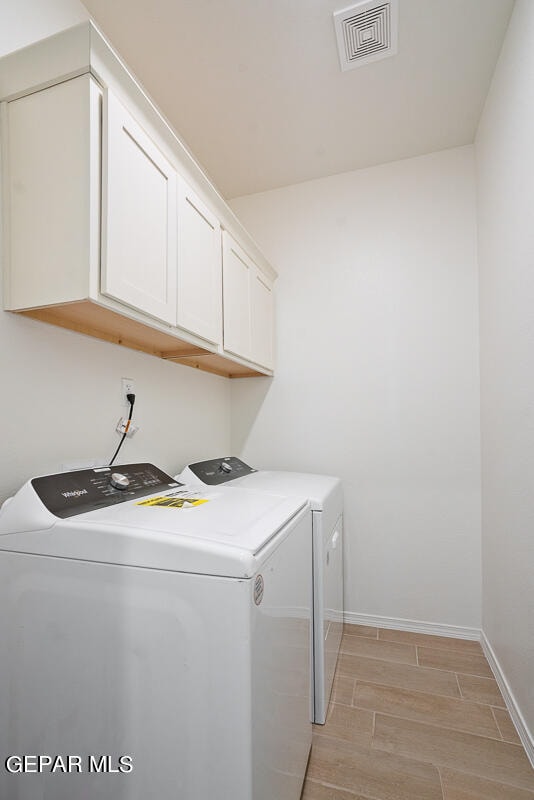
(119, 481)
(225, 467)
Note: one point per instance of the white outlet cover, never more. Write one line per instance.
(127, 387)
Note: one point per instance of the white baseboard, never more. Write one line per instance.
(413, 625)
(524, 734)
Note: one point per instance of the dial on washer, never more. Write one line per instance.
(119, 481)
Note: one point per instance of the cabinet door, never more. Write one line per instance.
(139, 217)
(199, 267)
(237, 268)
(261, 301)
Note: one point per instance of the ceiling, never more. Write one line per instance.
(255, 89)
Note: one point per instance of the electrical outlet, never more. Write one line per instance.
(127, 388)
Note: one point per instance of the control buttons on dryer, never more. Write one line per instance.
(219, 470)
(119, 481)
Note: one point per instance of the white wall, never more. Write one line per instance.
(505, 169)
(60, 391)
(377, 374)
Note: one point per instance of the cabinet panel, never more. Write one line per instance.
(199, 267)
(52, 205)
(236, 298)
(139, 217)
(261, 301)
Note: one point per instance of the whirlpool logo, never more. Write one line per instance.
(74, 493)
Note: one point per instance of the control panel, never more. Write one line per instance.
(69, 493)
(220, 470)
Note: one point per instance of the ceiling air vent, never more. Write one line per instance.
(366, 32)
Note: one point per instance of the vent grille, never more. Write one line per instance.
(366, 32)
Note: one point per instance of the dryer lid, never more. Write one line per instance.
(321, 490)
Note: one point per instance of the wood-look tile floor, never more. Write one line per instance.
(415, 717)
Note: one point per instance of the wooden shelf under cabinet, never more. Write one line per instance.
(103, 323)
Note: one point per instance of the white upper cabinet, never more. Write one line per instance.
(199, 267)
(109, 225)
(139, 217)
(247, 305)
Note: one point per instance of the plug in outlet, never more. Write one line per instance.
(128, 387)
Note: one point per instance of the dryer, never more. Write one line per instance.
(148, 624)
(325, 495)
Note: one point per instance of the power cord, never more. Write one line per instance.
(131, 400)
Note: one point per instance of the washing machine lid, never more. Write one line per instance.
(179, 528)
(321, 490)
(243, 519)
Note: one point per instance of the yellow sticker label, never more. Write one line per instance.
(173, 502)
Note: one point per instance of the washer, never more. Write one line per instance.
(326, 497)
(150, 625)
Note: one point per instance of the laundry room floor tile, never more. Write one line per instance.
(406, 676)
(348, 723)
(372, 774)
(425, 707)
(481, 690)
(318, 791)
(343, 690)
(461, 786)
(466, 663)
(426, 640)
(375, 648)
(505, 725)
(434, 729)
(487, 758)
(360, 630)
